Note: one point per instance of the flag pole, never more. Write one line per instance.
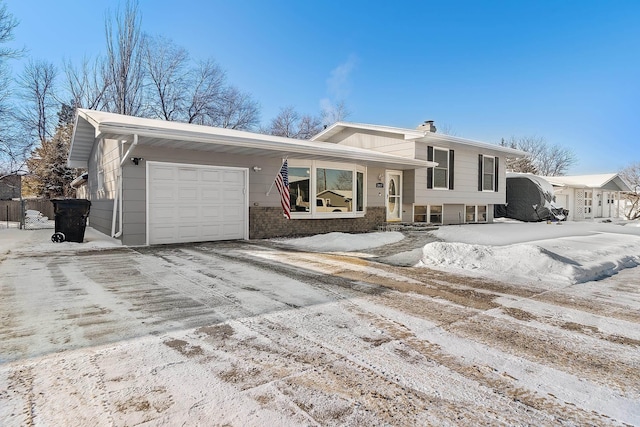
(274, 178)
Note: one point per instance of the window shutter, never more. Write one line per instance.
(430, 170)
(450, 169)
(479, 172)
(496, 176)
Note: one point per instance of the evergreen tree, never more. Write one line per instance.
(50, 176)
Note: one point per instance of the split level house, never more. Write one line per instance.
(156, 182)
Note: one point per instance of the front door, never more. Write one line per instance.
(394, 196)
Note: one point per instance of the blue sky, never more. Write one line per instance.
(568, 71)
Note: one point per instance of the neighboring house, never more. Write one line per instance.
(154, 182)
(10, 187)
(590, 196)
(463, 187)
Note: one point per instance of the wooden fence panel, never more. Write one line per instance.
(10, 210)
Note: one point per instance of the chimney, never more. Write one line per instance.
(427, 126)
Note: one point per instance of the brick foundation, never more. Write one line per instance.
(268, 222)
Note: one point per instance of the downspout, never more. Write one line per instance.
(117, 201)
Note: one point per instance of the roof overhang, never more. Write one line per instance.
(611, 182)
(416, 135)
(174, 135)
(338, 127)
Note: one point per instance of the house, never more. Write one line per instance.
(590, 196)
(530, 198)
(463, 187)
(155, 182)
(10, 187)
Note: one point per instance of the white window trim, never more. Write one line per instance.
(433, 177)
(313, 165)
(441, 214)
(493, 174)
(476, 214)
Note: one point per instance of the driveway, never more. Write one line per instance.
(250, 333)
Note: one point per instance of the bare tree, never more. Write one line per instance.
(334, 113)
(8, 23)
(166, 66)
(631, 175)
(87, 85)
(37, 84)
(542, 158)
(12, 148)
(206, 84)
(447, 129)
(124, 70)
(236, 110)
(290, 124)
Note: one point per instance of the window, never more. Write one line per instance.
(441, 172)
(470, 215)
(334, 190)
(488, 173)
(360, 191)
(435, 214)
(299, 189)
(476, 213)
(441, 176)
(482, 214)
(419, 214)
(316, 190)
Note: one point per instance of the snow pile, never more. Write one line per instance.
(535, 252)
(565, 253)
(518, 261)
(334, 242)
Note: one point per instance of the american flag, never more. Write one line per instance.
(282, 182)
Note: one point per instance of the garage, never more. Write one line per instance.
(195, 203)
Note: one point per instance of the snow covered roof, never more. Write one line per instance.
(414, 134)
(92, 124)
(605, 181)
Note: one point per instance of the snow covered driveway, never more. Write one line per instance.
(256, 334)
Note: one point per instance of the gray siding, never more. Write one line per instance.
(134, 184)
(382, 142)
(465, 181)
(104, 156)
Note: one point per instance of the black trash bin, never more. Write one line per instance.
(71, 219)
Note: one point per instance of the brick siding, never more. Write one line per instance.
(268, 222)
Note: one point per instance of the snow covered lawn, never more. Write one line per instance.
(469, 325)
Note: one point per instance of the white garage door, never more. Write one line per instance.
(191, 203)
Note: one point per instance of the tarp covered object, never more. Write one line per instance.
(530, 198)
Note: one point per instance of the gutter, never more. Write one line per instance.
(117, 200)
(81, 180)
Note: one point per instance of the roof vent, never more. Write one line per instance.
(427, 126)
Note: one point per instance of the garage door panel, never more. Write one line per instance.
(231, 176)
(210, 176)
(164, 173)
(234, 196)
(231, 229)
(187, 174)
(163, 192)
(162, 213)
(199, 203)
(231, 212)
(212, 213)
(187, 194)
(209, 193)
